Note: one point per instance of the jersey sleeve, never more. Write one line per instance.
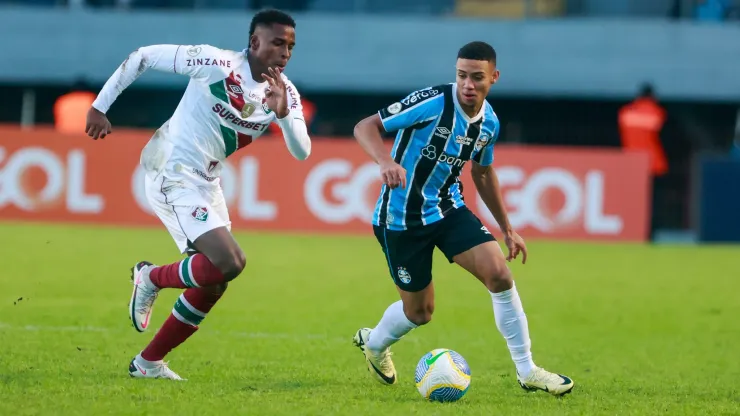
(202, 62)
(294, 99)
(421, 105)
(293, 126)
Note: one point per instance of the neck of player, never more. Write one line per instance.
(256, 67)
(471, 110)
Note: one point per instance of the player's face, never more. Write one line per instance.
(474, 79)
(273, 45)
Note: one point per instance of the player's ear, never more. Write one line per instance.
(254, 43)
(494, 76)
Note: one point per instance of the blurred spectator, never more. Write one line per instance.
(70, 110)
(640, 124)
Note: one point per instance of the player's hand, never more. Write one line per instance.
(393, 174)
(97, 125)
(516, 245)
(276, 94)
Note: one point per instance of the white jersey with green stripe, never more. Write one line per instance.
(222, 110)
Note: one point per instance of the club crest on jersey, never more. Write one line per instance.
(482, 141)
(403, 275)
(248, 109)
(200, 214)
(265, 108)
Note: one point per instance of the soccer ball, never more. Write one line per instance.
(442, 375)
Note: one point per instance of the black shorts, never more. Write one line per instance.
(409, 252)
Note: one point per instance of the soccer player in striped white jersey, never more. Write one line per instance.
(420, 207)
(231, 99)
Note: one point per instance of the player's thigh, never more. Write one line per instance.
(196, 225)
(465, 240)
(165, 212)
(409, 257)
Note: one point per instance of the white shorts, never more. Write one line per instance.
(187, 210)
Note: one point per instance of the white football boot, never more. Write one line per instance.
(379, 364)
(541, 379)
(158, 370)
(142, 297)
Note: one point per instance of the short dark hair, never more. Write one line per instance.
(269, 17)
(478, 51)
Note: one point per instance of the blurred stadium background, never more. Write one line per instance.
(584, 155)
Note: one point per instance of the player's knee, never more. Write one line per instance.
(419, 314)
(498, 277)
(233, 264)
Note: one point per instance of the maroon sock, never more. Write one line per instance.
(192, 307)
(194, 271)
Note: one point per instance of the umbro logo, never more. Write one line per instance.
(442, 132)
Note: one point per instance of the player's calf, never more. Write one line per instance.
(420, 313)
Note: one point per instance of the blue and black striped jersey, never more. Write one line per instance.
(434, 141)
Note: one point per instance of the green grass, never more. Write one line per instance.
(641, 329)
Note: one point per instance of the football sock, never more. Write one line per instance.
(392, 326)
(194, 271)
(189, 311)
(512, 323)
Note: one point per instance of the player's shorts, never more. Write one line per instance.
(409, 252)
(187, 210)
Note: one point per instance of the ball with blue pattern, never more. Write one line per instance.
(442, 375)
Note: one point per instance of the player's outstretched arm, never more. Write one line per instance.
(368, 134)
(486, 182)
(199, 61)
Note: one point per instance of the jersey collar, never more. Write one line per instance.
(459, 108)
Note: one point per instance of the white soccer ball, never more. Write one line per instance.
(442, 375)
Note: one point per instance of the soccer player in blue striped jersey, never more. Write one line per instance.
(421, 206)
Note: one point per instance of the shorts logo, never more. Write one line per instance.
(200, 214)
(485, 230)
(394, 108)
(403, 275)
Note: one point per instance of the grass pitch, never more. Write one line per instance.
(641, 329)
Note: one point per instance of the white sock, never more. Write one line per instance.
(146, 363)
(392, 326)
(512, 323)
